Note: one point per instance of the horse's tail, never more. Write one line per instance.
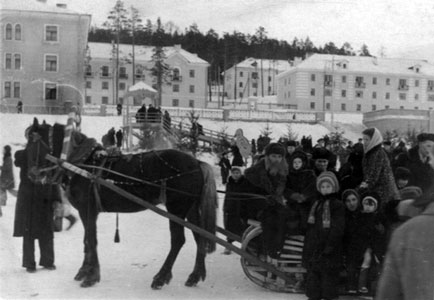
(208, 205)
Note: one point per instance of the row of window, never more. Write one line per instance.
(12, 89)
(14, 61)
(358, 106)
(122, 86)
(51, 32)
(359, 94)
(104, 100)
(105, 72)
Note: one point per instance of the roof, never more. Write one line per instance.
(35, 6)
(365, 64)
(280, 65)
(144, 53)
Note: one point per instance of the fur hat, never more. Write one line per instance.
(329, 177)
(411, 192)
(402, 173)
(425, 137)
(275, 148)
(239, 168)
(299, 154)
(370, 198)
(291, 143)
(320, 153)
(348, 192)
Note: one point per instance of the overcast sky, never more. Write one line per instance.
(392, 24)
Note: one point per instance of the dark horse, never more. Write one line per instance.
(186, 184)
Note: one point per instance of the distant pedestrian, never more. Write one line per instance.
(7, 182)
(225, 167)
(119, 138)
(119, 109)
(20, 107)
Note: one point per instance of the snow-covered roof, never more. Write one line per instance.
(280, 65)
(143, 53)
(35, 6)
(365, 64)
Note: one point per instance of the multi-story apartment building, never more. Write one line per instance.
(357, 84)
(253, 78)
(42, 54)
(186, 85)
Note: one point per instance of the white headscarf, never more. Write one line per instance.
(376, 140)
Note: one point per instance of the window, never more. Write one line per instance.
(121, 100)
(241, 74)
(344, 79)
(105, 85)
(190, 103)
(359, 94)
(51, 33)
(416, 97)
(312, 105)
(401, 107)
(123, 73)
(18, 32)
(175, 88)
(387, 96)
(374, 107)
(88, 84)
(176, 74)
(312, 92)
(416, 83)
(88, 70)
(387, 81)
(88, 99)
(359, 82)
(312, 77)
(240, 95)
(191, 89)
(269, 89)
(269, 78)
(289, 95)
(240, 84)
(121, 86)
(343, 107)
(17, 59)
(8, 92)
(8, 62)
(50, 91)
(289, 80)
(175, 102)
(402, 96)
(104, 100)
(9, 31)
(192, 74)
(387, 107)
(255, 75)
(328, 106)
(344, 93)
(328, 92)
(50, 63)
(374, 95)
(328, 80)
(139, 72)
(105, 71)
(359, 107)
(431, 97)
(374, 80)
(254, 84)
(402, 85)
(416, 107)
(17, 90)
(430, 85)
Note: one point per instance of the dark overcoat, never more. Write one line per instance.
(34, 207)
(7, 176)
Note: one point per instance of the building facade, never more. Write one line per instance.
(42, 55)
(186, 85)
(357, 84)
(253, 78)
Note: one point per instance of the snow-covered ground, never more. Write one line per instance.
(127, 267)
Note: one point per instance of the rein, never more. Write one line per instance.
(145, 182)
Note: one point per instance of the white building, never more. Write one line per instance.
(186, 87)
(357, 84)
(253, 77)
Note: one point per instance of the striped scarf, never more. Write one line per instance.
(325, 214)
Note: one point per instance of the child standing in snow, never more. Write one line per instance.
(7, 182)
(322, 253)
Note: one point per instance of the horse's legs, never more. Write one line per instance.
(177, 241)
(89, 271)
(199, 271)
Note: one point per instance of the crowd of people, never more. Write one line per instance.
(346, 200)
(153, 115)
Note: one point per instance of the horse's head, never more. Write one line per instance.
(42, 139)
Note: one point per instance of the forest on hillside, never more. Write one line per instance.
(221, 51)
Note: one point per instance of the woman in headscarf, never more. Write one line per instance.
(377, 172)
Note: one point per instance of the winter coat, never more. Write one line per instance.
(34, 207)
(354, 244)
(299, 193)
(237, 159)
(235, 207)
(323, 247)
(225, 167)
(7, 181)
(422, 174)
(377, 173)
(408, 268)
(351, 173)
